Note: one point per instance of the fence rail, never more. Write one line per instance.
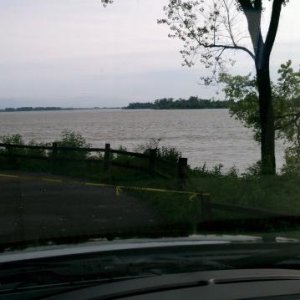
(37, 147)
(151, 158)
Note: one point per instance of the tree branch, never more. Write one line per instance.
(273, 27)
(232, 47)
(229, 23)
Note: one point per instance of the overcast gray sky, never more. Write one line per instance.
(77, 53)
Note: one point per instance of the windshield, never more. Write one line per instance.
(127, 121)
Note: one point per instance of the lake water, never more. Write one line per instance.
(203, 136)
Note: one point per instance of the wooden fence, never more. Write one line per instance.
(206, 211)
(207, 207)
(150, 158)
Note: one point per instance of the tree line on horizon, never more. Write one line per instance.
(30, 108)
(192, 102)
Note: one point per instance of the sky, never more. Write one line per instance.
(76, 53)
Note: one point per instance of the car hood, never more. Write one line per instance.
(103, 245)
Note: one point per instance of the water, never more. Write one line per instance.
(203, 136)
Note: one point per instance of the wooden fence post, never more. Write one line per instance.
(206, 207)
(54, 156)
(152, 160)
(107, 157)
(11, 159)
(182, 172)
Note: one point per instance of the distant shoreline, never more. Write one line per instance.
(108, 108)
(33, 109)
(173, 108)
(192, 102)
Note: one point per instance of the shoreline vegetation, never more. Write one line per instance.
(192, 102)
(51, 108)
(164, 103)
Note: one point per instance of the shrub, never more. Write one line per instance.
(164, 152)
(169, 153)
(151, 144)
(72, 139)
(253, 171)
(37, 152)
(216, 171)
(13, 139)
(233, 172)
(292, 161)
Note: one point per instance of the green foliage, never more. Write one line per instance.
(215, 171)
(72, 139)
(13, 162)
(277, 193)
(243, 96)
(233, 172)
(253, 170)
(242, 92)
(124, 168)
(171, 154)
(238, 87)
(168, 153)
(13, 139)
(287, 98)
(66, 160)
(37, 152)
(122, 158)
(151, 144)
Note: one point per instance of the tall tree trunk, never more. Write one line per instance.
(267, 121)
(253, 10)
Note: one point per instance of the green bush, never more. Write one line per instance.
(13, 139)
(37, 152)
(292, 161)
(168, 153)
(216, 171)
(121, 157)
(72, 139)
(253, 171)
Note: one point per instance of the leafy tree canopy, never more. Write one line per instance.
(243, 94)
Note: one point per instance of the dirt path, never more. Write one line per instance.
(41, 207)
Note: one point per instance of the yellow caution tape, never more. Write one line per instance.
(135, 188)
(99, 184)
(193, 196)
(52, 180)
(118, 189)
(9, 176)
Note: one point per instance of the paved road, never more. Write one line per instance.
(39, 207)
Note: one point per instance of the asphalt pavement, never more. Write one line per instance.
(40, 207)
